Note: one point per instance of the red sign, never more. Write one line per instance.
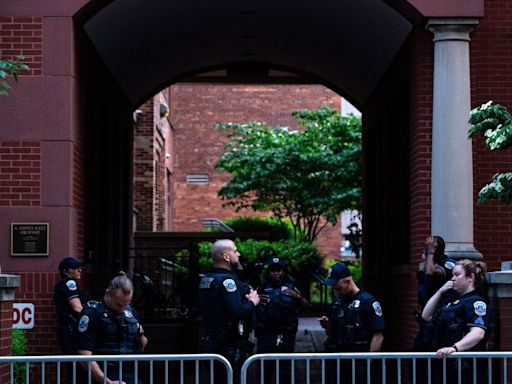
(23, 316)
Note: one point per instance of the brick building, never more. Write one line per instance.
(176, 186)
(414, 68)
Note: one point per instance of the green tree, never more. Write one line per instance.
(494, 122)
(308, 176)
(10, 68)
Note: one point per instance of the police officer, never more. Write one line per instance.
(462, 324)
(69, 301)
(226, 307)
(112, 327)
(354, 323)
(277, 318)
(433, 272)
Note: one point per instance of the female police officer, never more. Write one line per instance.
(462, 324)
(69, 301)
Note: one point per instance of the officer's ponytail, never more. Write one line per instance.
(122, 282)
(478, 269)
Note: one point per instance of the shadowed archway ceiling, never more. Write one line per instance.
(347, 44)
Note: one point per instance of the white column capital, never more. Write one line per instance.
(451, 28)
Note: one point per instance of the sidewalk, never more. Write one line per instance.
(310, 337)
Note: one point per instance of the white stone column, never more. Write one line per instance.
(452, 165)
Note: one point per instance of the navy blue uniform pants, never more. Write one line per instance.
(268, 343)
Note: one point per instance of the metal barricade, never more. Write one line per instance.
(151, 369)
(371, 368)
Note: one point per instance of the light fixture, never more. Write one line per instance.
(164, 110)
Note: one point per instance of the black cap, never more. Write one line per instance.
(69, 263)
(275, 263)
(336, 272)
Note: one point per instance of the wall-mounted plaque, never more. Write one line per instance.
(30, 239)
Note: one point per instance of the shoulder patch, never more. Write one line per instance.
(449, 264)
(230, 285)
(377, 308)
(128, 313)
(479, 321)
(71, 284)
(83, 323)
(480, 308)
(206, 282)
(92, 303)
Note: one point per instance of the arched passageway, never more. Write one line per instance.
(111, 56)
(140, 49)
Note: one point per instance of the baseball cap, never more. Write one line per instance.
(336, 272)
(69, 263)
(275, 262)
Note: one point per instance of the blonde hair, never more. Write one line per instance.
(478, 269)
(122, 282)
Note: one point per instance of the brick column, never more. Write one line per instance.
(8, 283)
(500, 295)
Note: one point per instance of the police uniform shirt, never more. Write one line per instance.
(222, 300)
(370, 319)
(104, 331)
(428, 285)
(470, 310)
(280, 313)
(65, 290)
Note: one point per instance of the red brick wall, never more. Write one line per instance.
(196, 108)
(23, 36)
(491, 79)
(152, 143)
(5, 337)
(421, 86)
(143, 173)
(37, 288)
(20, 173)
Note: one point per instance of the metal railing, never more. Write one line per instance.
(368, 368)
(151, 369)
(303, 368)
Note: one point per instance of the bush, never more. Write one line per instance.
(302, 260)
(19, 348)
(280, 229)
(355, 268)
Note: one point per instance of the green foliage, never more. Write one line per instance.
(301, 259)
(10, 68)
(19, 348)
(304, 176)
(500, 188)
(281, 229)
(494, 122)
(355, 267)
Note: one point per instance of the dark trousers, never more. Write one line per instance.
(235, 352)
(344, 375)
(128, 374)
(466, 370)
(268, 343)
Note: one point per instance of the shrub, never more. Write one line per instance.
(355, 268)
(280, 229)
(302, 260)
(19, 348)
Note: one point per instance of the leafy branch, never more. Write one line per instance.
(10, 68)
(494, 123)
